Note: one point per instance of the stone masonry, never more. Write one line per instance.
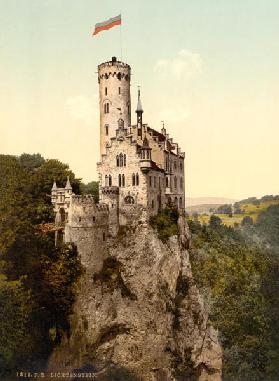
(139, 168)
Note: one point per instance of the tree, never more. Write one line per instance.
(247, 220)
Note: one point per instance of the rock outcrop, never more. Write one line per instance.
(139, 311)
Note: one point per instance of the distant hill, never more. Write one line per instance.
(193, 201)
(201, 208)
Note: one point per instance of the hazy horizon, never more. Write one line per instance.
(208, 69)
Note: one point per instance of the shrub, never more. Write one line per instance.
(165, 222)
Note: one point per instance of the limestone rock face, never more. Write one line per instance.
(140, 310)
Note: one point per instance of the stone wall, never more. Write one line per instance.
(88, 223)
(114, 90)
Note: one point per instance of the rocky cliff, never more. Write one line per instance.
(138, 313)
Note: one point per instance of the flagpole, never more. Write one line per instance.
(121, 36)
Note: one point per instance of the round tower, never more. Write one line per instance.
(114, 98)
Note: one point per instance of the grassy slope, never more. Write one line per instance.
(249, 210)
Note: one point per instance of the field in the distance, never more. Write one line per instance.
(248, 209)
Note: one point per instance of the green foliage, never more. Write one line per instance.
(239, 278)
(224, 209)
(165, 223)
(31, 162)
(91, 188)
(247, 220)
(268, 225)
(36, 279)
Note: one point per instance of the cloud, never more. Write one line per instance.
(83, 108)
(185, 65)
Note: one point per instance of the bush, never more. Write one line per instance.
(165, 223)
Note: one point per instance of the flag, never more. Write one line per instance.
(105, 25)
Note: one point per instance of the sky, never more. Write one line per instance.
(208, 68)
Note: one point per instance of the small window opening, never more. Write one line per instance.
(104, 236)
(106, 91)
(119, 90)
(94, 218)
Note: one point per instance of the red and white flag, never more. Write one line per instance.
(105, 25)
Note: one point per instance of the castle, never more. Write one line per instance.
(141, 170)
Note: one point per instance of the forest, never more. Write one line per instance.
(236, 269)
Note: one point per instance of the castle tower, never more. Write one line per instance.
(114, 98)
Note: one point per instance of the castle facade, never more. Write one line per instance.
(141, 170)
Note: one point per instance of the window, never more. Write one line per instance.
(117, 161)
(167, 182)
(94, 218)
(104, 236)
(106, 180)
(133, 179)
(119, 90)
(137, 179)
(155, 182)
(107, 129)
(152, 204)
(121, 160)
(175, 182)
(106, 108)
(181, 166)
(129, 200)
(123, 180)
(174, 164)
(106, 91)
(110, 180)
(150, 181)
(181, 183)
(124, 161)
(180, 202)
(119, 180)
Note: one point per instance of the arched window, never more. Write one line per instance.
(106, 180)
(124, 160)
(137, 179)
(123, 180)
(119, 180)
(175, 182)
(167, 182)
(117, 160)
(175, 201)
(143, 154)
(129, 200)
(133, 179)
(110, 180)
(107, 129)
(121, 160)
(106, 108)
(181, 183)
